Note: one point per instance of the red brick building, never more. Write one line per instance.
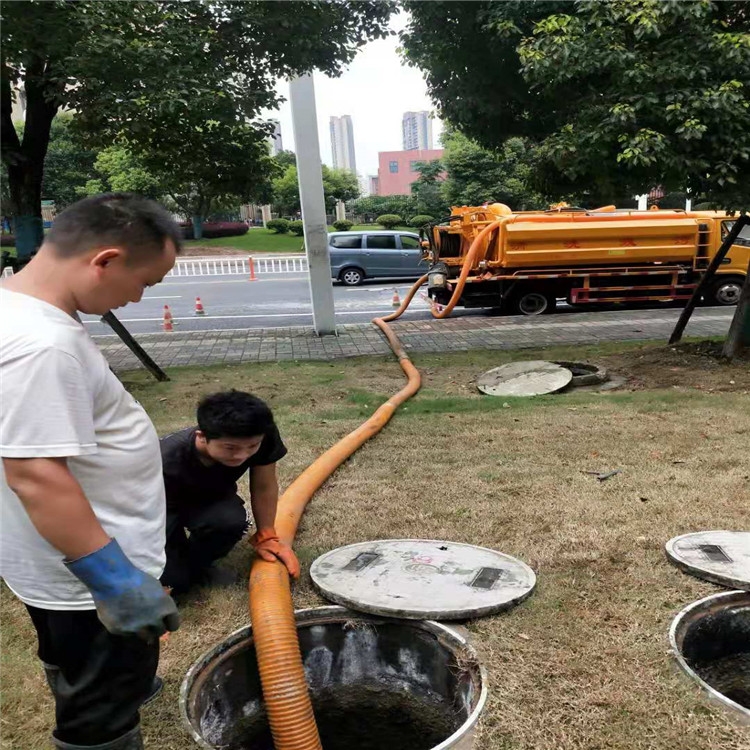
(396, 169)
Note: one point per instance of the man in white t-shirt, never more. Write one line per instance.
(82, 507)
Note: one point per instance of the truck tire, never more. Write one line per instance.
(351, 276)
(726, 291)
(533, 302)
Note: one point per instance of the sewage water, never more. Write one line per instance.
(366, 717)
(717, 647)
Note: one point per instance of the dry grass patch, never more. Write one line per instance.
(583, 663)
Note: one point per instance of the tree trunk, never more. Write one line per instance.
(738, 338)
(197, 227)
(25, 160)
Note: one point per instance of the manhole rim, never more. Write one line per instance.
(311, 616)
(699, 573)
(595, 374)
(739, 712)
(427, 615)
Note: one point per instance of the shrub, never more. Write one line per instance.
(215, 229)
(420, 220)
(389, 221)
(279, 226)
(343, 225)
(297, 227)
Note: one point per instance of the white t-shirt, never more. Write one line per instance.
(58, 398)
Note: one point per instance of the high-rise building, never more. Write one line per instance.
(342, 143)
(417, 130)
(276, 145)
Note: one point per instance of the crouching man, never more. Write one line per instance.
(235, 434)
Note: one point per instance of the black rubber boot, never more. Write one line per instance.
(52, 673)
(132, 740)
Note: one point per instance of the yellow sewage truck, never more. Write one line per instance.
(531, 259)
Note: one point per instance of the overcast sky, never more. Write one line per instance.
(376, 89)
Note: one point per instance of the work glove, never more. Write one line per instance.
(128, 601)
(268, 546)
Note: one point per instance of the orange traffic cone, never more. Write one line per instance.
(167, 322)
(252, 269)
(199, 307)
(396, 301)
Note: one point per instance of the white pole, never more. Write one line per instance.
(310, 176)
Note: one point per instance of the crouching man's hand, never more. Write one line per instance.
(269, 547)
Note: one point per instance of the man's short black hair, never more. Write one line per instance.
(233, 414)
(138, 225)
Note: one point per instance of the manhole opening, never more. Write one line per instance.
(717, 649)
(367, 717)
(375, 685)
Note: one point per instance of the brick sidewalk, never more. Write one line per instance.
(452, 334)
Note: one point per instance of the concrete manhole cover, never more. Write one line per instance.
(422, 579)
(534, 378)
(721, 557)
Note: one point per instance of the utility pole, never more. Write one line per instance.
(310, 176)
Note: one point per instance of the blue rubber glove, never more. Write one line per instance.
(128, 601)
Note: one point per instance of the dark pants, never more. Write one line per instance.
(101, 679)
(215, 527)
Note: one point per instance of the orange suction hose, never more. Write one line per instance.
(282, 673)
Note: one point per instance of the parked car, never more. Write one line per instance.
(356, 256)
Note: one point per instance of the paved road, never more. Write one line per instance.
(233, 302)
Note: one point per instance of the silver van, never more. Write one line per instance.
(356, 256)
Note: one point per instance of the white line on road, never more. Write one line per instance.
(174, 296)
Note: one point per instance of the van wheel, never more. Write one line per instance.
(351, 276)
(534, 303)
(726, 292)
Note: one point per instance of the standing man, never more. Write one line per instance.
(82, 508)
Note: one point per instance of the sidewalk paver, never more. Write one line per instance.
(452, 334)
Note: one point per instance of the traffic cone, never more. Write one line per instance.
(252, 269)
(167, 322)
(199, 307)
(396, 301)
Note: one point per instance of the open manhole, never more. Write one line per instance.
(585, 373)
(721, 557)
(375, 684)
(710, 640)
(533, 378)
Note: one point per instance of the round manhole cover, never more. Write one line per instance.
(422, 579)
(721, 557)
(533, 378)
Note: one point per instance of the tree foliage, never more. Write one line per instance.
(338, 185)
(68, 166)
(161, 77)
(476, 175)
(372, 206)
(619, 95)
(427, 189)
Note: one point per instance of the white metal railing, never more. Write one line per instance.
(225, 266)
(249, 266)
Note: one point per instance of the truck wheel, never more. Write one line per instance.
(534, 303)
(351, 276)
(726, 291)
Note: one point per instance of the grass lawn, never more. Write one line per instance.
(583, 663)
(260, 240)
